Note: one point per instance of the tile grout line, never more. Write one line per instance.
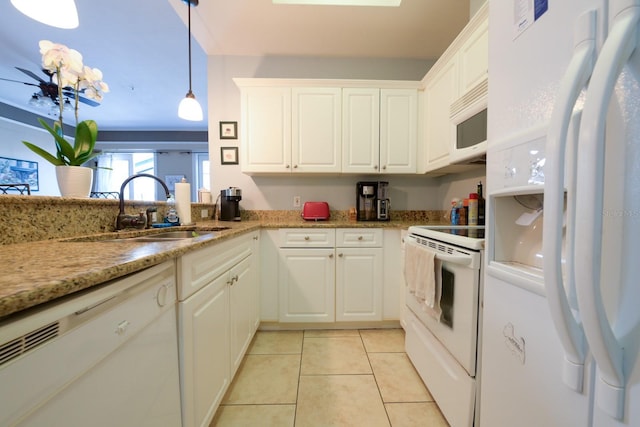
(374, 378)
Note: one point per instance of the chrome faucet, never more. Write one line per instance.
(137, 221)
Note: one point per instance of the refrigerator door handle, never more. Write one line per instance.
(575, 78)
(605, 347)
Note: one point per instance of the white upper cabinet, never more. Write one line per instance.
(398, 130)
(316, 129)
(266, 129)
(460, 72)
(360, 130)
(379, 130)
(474, 58)
(328, 126)
(440, 92)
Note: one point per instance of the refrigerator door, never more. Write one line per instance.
(607, 244)
(558, 144)
(521, 374)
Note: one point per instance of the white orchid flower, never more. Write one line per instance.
(68, 71)
(57, 56)
(92, 83)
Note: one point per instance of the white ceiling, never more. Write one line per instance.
(141, 46)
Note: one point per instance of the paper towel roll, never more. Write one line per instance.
(183, 201)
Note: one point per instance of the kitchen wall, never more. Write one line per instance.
(276, 192)
(11, 135)
(474, 6)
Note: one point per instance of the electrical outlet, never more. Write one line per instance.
(296, 201)
(204, 213)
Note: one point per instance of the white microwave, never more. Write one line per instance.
(469, 119)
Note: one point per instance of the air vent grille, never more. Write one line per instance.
(27, 342)
(472, 96)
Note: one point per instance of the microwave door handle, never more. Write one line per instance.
(575, 78)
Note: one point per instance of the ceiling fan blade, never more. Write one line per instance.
(31, 74)
(18, 81)
(82, 99)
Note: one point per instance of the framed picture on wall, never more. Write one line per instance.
(229, 155)
(228, 130)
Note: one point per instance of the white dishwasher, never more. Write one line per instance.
(107, 357)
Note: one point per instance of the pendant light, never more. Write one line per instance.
(189, 108)
(57, 13)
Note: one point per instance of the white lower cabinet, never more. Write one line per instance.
(306, 280)
(204, 351)
(359, 274)
(217, 318)
(330, 275)
(358, 284)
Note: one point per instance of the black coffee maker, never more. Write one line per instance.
(230, 204)
(372, 202)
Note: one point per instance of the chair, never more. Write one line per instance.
(18, 188)
(104, 195)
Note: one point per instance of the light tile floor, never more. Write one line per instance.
(328, 378)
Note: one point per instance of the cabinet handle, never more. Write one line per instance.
(341, 255)
(359, 237)
(295, 166)
(306, 238)
(161, 295)
(235, 278)
(330, 255)
(255, 237)
(288, 166)
(122, 327)
(376, 167)
(384, 167)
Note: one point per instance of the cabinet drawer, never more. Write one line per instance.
(307, 237)
(359, 237)
(196, 269)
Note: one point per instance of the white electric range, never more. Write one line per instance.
(444, 348)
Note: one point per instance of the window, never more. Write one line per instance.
(122, 166)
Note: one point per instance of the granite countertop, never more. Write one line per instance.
(39, 272)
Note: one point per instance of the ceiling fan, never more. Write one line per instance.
(49, 89)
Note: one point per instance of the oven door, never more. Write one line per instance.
(457, 328)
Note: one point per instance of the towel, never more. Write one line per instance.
(422, 277)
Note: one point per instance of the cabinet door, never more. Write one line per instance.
(474, 58)
(360, 130)
(243, 305)
(316, 129)
(398, 130)
(266, 129)
(204, 348)
(359, 284)
(440, 92)
(306, 279)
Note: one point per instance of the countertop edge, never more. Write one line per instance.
(31, 279)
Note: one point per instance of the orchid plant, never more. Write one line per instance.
(68, 72)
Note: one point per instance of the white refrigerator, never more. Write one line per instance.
(561, 301)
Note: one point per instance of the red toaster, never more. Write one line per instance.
(315, 211)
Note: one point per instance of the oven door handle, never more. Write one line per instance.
(454, 259)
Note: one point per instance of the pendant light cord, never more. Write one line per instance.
(189, 24)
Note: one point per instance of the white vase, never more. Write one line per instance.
(74, 181)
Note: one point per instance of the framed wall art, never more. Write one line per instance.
(228, 130)
(229, 155)
(16, 171)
